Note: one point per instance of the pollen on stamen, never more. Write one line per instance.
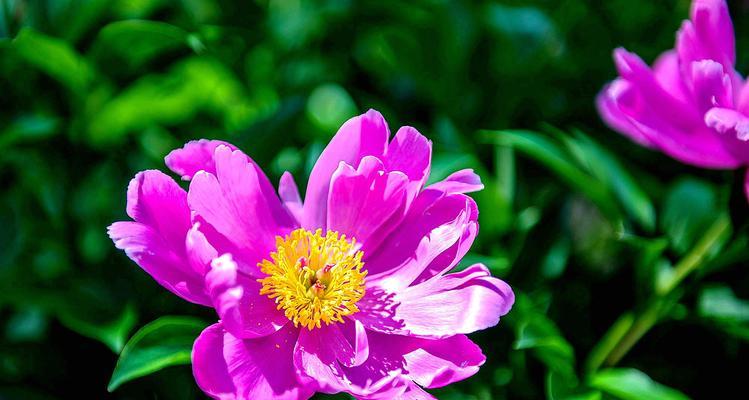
(314, 278)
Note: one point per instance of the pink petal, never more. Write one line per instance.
(438, 363)
(664, 122)
(194, 156)
(378, 377)
(607, 103)
(440, 307)
(437, 232)
(711, 86)
(728, 122)
(241, 205)
(360, 136)
(243, 311)
(226, 367)
(289, 194)
(156, 240)
(410, 153)
(367, 202)
(713, 26)
(463, 181)
(414, 392)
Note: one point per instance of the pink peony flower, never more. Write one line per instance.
(692, 104)
(348, 291)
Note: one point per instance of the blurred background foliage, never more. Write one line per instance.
(629, 267)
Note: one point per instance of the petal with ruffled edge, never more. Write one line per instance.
(463, 181)
(394, 365)
(708, 35)
(437, 232)
(226, 367)
(156, 240)
(243, 311)
(363, 201)
(241, 206)
(674, 127)
(364, 135)
(442, 306)
(410, 153)
(194, 156)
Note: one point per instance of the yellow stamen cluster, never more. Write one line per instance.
(314, 278)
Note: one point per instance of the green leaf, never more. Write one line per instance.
(536, 332)
(162, 343)
(689, 208)
(632, 384)
(603, 165)
(551, 155)
(720, 305)
(192, 86)
(136, 42)
(54, 57)
(112, 333)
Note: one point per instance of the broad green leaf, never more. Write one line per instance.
(54, 57)
(136, 42)
(689, 208)
(632, 384)
(32, 127)
(162, 343)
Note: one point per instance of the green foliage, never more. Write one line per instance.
(621, 258)
(160, 344)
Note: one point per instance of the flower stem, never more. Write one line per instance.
(616, 344)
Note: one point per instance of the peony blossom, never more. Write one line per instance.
(692, 104)
(349, 290)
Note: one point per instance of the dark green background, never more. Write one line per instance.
(581, 222)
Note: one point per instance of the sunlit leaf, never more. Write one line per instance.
(162, 343)
(631, 384)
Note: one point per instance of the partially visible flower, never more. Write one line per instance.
(692, 104)
(348, 291)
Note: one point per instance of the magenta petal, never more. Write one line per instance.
(433, 237)
(194, 156)
(360, 136)
(729, 122)
(607, 103)
(463, 181)
(226, 367)
(712, 23)
(242, 206)
(411, 153)
(378, 377)
(437, 363)
(243, 311)
(289, 194)
(440, 307)
(414, 392)
(363, 201)
(711, 86)
(156, 240)
(199, 251)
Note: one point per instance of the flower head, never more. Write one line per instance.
(692, 104)
(346, 291)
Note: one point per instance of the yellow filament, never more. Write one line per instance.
(314, 278)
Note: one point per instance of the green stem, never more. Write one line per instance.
(664, 298)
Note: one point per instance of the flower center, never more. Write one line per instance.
(313, 277)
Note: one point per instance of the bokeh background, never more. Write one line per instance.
(591, 230)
